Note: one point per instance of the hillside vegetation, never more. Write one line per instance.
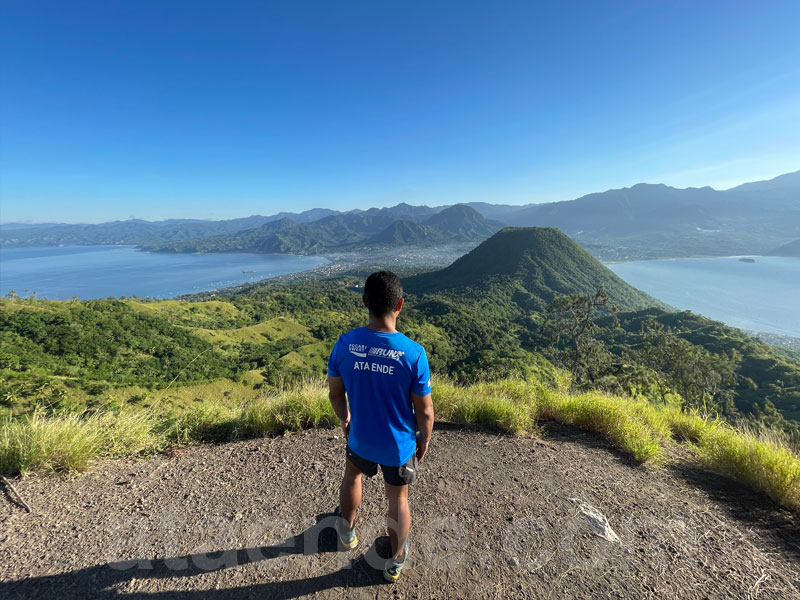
(484, 317)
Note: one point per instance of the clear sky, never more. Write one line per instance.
(157, 109)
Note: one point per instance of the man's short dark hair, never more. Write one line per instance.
(382, 291)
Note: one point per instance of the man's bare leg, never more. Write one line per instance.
(350, 493)
(399, 517)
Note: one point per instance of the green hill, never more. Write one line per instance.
(542, 260)
(406, 232)
(463, 223)
(459, 223)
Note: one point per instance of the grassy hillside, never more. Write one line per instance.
(80, 353)
(83, 353)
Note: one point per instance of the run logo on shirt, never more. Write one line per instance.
(386, 353)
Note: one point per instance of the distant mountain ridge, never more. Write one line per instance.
(457, 223)
(656, 220)
(642, 221)
(133, 231)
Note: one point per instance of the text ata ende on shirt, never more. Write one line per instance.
(363, 365)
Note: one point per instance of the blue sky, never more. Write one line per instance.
(223, 109)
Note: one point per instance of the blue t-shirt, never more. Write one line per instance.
(380, 371)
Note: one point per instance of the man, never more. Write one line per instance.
(385, 377)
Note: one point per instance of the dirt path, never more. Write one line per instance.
(495, 516)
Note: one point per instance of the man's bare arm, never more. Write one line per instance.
(336, 394)
(423, 409)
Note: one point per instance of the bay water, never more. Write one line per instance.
(89, 272)
(762, 296)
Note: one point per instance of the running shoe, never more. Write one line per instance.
(347, 537)
(391, 571)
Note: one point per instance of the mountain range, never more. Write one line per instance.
(376, 227)
(642, 221)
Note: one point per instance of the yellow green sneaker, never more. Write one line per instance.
(391, 572)
(347, 536)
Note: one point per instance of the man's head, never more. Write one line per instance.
(383, 293)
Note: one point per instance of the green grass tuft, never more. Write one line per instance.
(209, 421)
(615, 418)
(299, 407)
(764, 465)
(46, 442)
(37, 442)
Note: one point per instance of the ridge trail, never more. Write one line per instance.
(494, 516)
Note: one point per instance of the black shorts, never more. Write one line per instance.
(402, 475)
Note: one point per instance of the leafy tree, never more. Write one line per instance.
(571, 318)
(704, 379)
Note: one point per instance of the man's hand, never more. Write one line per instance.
(422, 448)
(423, 410)
(338, 400)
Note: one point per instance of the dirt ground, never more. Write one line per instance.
(494, 516)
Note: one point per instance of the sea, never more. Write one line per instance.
(59, 273)
(760, 296)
